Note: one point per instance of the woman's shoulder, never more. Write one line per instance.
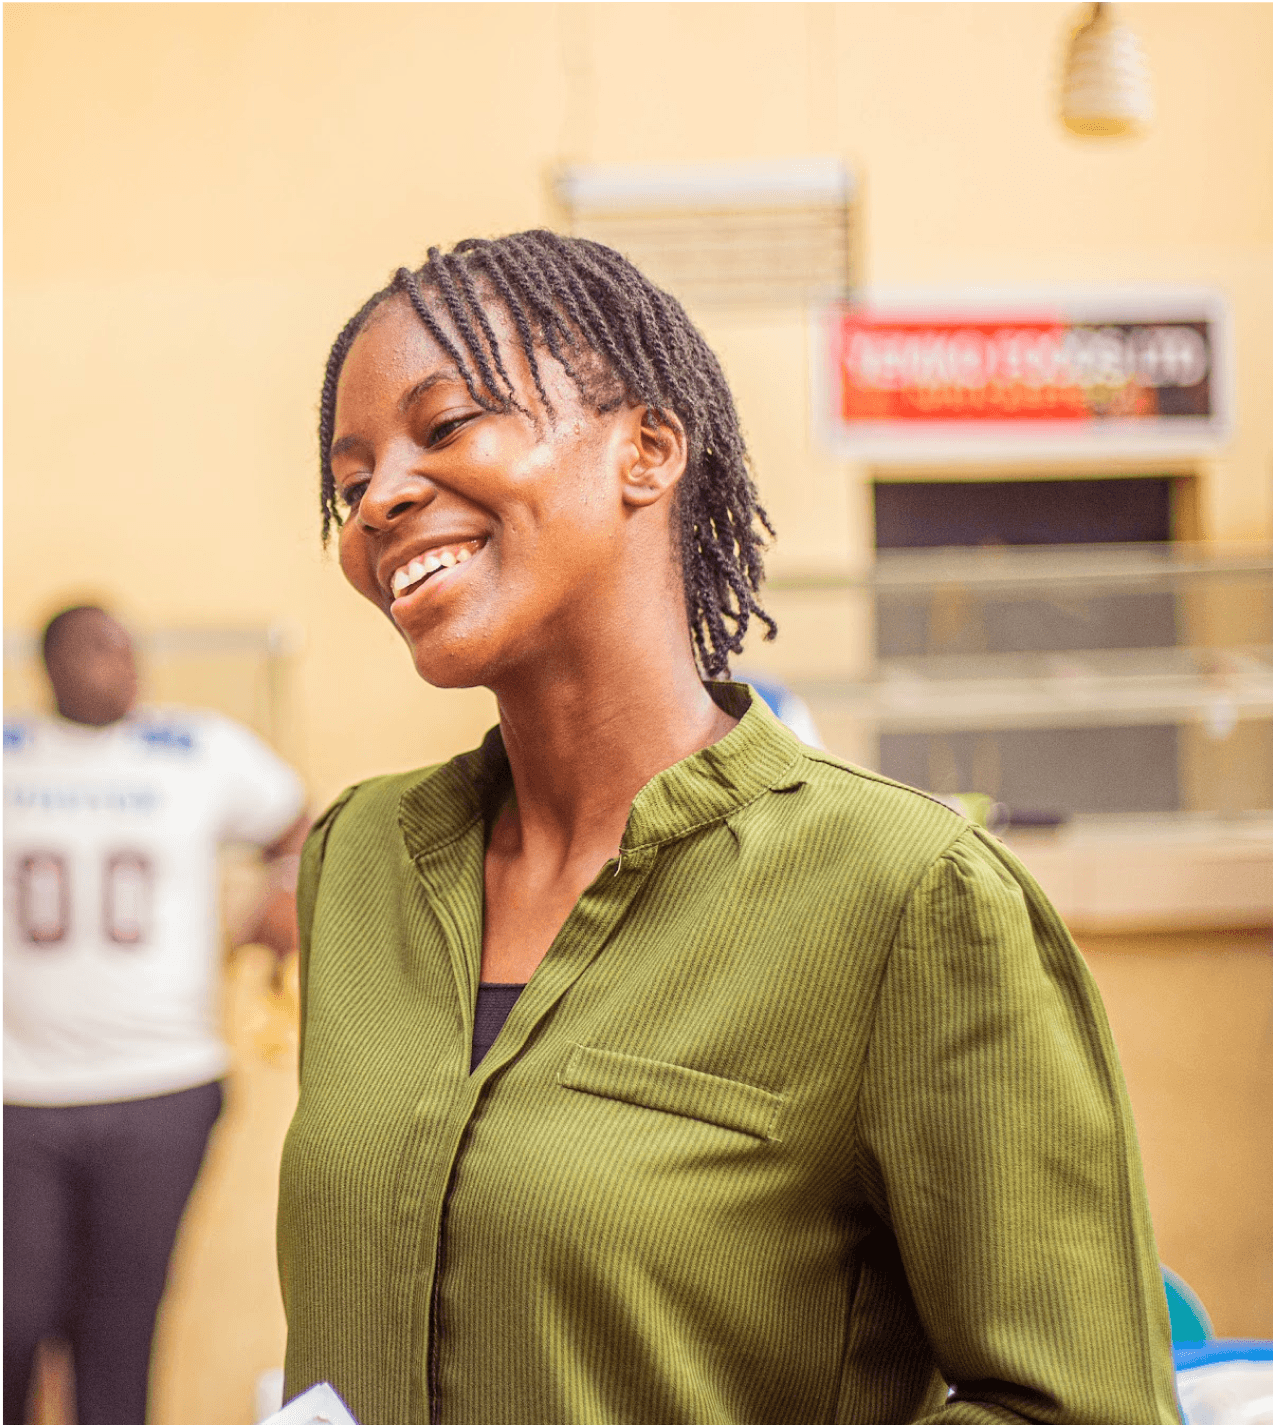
(851, 829)
(858, 797)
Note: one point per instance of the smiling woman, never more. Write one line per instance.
(656, 1067)
(590, 324)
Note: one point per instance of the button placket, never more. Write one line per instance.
(591, 923)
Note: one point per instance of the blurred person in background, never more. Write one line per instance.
(656, 1066)
(113, 1058)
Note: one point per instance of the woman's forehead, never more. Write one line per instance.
(395, 353)
(395, 339)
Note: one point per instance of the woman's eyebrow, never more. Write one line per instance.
(346, 442)
(445, 373)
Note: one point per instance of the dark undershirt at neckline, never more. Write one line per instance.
(494, 1004)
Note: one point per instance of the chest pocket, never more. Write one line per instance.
(669, 1088)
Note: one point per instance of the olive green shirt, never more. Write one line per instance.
(810, 1110)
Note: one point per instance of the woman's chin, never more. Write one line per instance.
(449, 668)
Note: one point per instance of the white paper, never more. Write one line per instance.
(319, 1405)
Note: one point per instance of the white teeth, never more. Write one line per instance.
(406, 576)
(419, 569)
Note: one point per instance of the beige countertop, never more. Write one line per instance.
(1130, 873)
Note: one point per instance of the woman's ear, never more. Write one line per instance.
(657, 455)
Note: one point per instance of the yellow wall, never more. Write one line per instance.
(1193, 1018)
(197, 196)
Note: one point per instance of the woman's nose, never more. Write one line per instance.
(394, 491)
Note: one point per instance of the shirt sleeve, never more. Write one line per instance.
(311, 870)
(260, 794)
(999, 1137)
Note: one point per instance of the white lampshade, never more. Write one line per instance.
(1105, 90)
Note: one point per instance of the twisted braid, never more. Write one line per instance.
(515, 304)
(327, 406)
(408, 282)
(619, 338)
(458, 307)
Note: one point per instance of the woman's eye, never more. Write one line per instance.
(446, 428)
(350, 494)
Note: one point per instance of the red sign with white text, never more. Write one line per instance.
(914, 371)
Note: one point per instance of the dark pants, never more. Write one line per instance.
(93, 1195)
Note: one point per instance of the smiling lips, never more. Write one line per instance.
(446, 556)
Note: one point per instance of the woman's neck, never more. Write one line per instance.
(583, 741)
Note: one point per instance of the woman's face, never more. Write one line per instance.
(484, 536)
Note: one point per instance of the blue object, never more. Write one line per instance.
(773, 693)
(1193, 1339)
(786, 707)
(1190, 1324)
(1211, 1353)
(166, 735)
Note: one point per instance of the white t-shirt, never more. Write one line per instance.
(111, 935)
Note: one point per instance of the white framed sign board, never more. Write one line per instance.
(939, 377)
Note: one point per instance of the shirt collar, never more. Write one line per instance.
(755, 756)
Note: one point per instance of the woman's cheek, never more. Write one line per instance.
(355, 563)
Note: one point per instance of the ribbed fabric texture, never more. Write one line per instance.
(811, 1109)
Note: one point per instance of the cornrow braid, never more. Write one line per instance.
(619, 338)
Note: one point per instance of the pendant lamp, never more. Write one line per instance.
(1105, 90)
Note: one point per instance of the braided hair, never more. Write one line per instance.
(620, 339)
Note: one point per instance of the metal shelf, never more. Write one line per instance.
(1095, 688)
(1033, 571)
